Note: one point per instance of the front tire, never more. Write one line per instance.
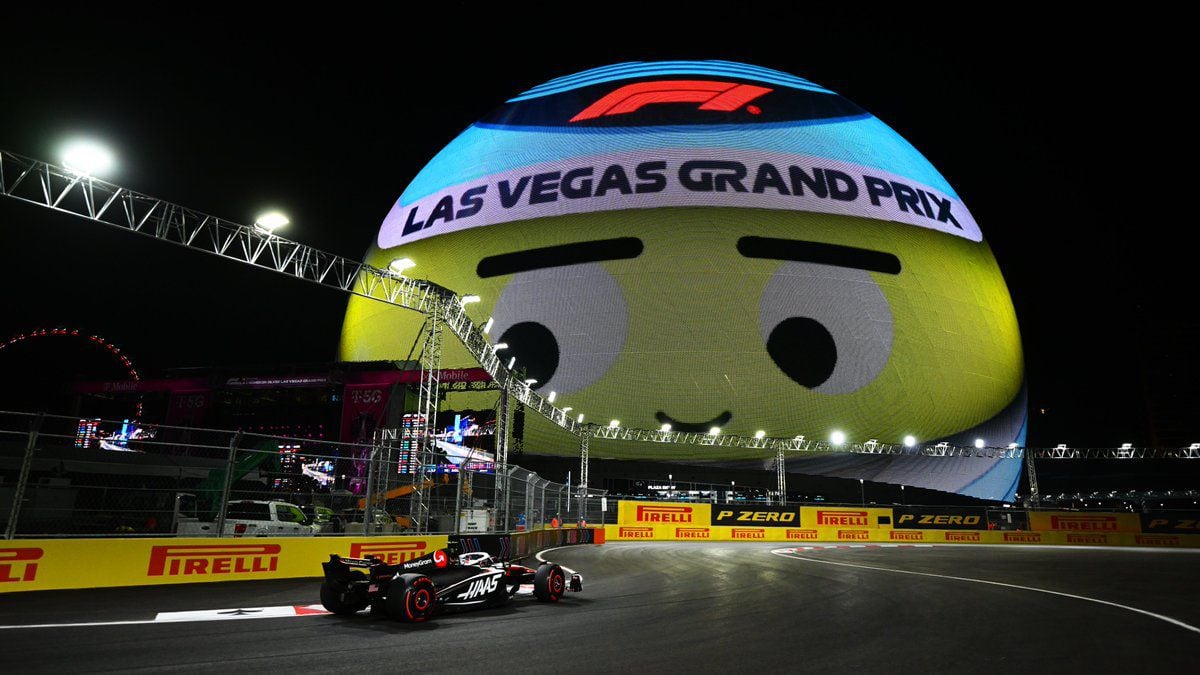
(413, 598)
(549, 583)
(336, 597)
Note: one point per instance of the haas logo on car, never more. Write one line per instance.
(480, 587)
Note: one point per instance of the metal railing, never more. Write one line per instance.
(65, 477)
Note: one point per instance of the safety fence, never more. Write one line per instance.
(66, 477)
(665, 521)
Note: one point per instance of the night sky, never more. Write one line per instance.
(1049, 132)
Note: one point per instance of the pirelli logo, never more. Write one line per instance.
(842, 518)
(1084, 523)
(1023, 537)
(962, 536)
(1085, 538)
(906, 535)
(664, 514)
(691, 533)
(854, 535)
(636, 532)
(801, 535)
(17, 564)
(209, 559)
(748, 533)
(390, 552)
(1157, 540)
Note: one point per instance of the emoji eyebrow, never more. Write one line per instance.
(559, 256)
(816, 252)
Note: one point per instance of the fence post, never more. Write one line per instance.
(458, 490)
(26, 464)
(224, 504)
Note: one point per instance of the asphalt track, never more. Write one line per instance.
(704, 607)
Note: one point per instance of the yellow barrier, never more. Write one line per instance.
(666, 521)
(1083, 522)
(851, 535)
(44, 564)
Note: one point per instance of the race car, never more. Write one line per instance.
(414, 591)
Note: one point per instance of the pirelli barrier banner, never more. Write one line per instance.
(1171, 522)
(940, 518)
(662, 521)
(1077, 521)
(46, 564)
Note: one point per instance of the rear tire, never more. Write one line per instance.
(549, 583)
(336, 598)
(413, 598)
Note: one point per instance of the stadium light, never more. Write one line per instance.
(837, 438)
(760, 434)
(580, 420)
(531, 381)
(270, 221)
(512, 362)
(1127, 446)
(1194, 446)
(468, 299)
(1061, 446)
(910, 441)
(1012, 446)
(500, 345)
(487, 327)
(979, 442)
(665, 427)
(614, 424)
(398, 266)
(550, 398)
(87, 158)
(714, 431)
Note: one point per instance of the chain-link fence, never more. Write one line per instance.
(69, 477)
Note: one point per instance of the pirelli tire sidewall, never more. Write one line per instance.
(549, 583)
(412, 598)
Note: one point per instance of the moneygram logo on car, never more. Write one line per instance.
(664, 514)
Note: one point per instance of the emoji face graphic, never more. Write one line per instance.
(708, 244)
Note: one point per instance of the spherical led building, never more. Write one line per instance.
(713, 244)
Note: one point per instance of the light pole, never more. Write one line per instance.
(862, 492)
(902, 502)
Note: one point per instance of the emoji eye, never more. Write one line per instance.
(827, 328)
(565, 325)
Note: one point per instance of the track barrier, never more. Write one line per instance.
(668, 521)
(51, 564)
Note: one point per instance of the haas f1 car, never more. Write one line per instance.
(415, 590)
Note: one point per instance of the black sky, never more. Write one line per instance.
(1052, 131)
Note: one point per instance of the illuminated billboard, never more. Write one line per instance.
(710, 244)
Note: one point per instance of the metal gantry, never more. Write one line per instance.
(61, 189)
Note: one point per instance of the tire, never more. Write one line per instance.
(335, 599)
(549, 583)
(412, 598)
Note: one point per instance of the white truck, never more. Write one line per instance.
(244, 518)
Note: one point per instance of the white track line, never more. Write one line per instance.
(541, 559)
(785, 553)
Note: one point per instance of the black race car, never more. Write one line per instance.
(415, 590)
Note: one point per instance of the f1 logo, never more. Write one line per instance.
(711, 95)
